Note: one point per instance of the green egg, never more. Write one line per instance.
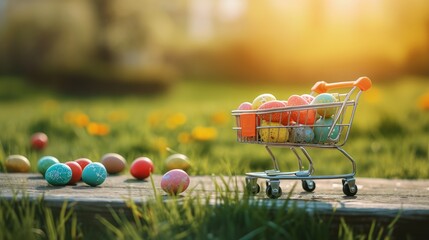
(45, 162)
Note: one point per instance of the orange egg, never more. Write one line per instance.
(305, 116)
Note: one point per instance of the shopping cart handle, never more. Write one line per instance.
(363, 83)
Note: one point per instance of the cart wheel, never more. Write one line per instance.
(253, 189)
(252, 186)
(350, 191)
(308, 185)
(273, 193)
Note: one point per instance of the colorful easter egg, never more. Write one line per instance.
(261, 99)
(301, 134)
(83, 162)
(113, 162)
(141, 168)
(305, 116)
(58, 174)
(175, 181)
(177, 161)
(94, 174)
(322, 128)
(273, 132)
(39, 140)
(76, 172)
(45, 162)
(277, 116)
(325, 98)
(17, 163)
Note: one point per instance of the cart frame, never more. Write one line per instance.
(254, 127)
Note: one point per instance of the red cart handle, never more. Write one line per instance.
(363, 83)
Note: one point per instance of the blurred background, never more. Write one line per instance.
(148, 45)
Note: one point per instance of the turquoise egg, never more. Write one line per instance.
(45, 162)
(59, 174)
(322, 128)
(94, 174)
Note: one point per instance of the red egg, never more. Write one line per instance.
(39, 140)
(175, 181)
(141, 168)
(76, 172)
(83, 162)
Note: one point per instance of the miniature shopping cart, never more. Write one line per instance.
(323, 125)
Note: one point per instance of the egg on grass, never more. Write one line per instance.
(39, 140)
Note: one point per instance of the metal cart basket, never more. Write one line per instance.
(324, 125)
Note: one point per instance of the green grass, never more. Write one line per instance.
(226, 215)
(389, 139)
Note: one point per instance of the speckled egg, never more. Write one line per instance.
(301, 134)
(45, 162)
(113, 162)
(175, 181)
(59, 174)
(94, 174)
(17, 163)
(325, 98)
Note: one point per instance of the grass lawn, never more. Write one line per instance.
(389, 139)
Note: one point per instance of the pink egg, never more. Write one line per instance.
(278, 116)
(175, 181)
(245, 106)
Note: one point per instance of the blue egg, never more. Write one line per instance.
(322, 128)
(94, 174)
(59, 174)
(45, 162)
(301, 134)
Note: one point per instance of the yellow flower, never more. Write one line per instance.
(176, 120)
(424, 102)
(77, 118)
(204, 133)
(98, 129)
(154, 118)
(184, 137)
(220, 118)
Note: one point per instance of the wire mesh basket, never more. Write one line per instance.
(323, 121)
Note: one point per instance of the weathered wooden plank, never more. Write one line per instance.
(378, 199)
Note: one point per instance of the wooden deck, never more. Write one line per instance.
(377, 199)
